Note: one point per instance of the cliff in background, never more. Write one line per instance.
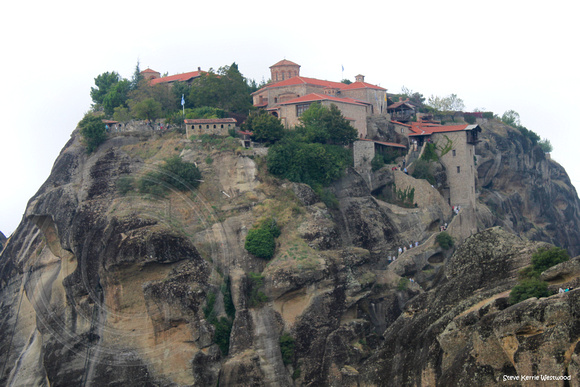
(103, 288)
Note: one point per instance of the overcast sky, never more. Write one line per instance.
(497, 55)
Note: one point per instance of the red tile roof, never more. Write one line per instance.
(319, 82)
(177, 77)
(433, 128)
(361, 85)
(323, 97)
(385, 143)
(399, 104)
(148, 70)
(285, 62)
(210, 121)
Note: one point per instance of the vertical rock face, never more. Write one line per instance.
(525, 190)
(103, 288)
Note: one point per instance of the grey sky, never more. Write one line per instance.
(497, 55)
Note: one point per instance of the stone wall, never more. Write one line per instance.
(358, 113)
(460, 167)
(363, 154)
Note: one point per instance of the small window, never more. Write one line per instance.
(222, 126)
(214, 126)
(453, 152)
(458, 169)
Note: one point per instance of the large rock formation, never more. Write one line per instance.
(104, 288)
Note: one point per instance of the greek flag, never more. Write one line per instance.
(182, 100)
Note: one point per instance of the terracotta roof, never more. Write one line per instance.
(210, 121)
(400, 123)
(148, 70)
(177, 77)
(322, 97)
(399, 104)
(428, 130)
(246, 133)
(385, 143)
(285, 62)
(361, 85)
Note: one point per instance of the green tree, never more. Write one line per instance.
(148, 109)
(326, 126)
(254, 295)
(227, 89)
(545, 258)
(445, 240)
(261, 240)
(116, 97)
(104, 83)
(137, 77)
(187, 173)
(92, 131)
(310, 163)
(511, 117)
(287, 348)
(446, 105)
(528, 288)
(546, 145)
(266, 127)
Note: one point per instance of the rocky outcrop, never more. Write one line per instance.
(525, 190)
(103, 288)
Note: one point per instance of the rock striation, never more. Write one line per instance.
(104, 287)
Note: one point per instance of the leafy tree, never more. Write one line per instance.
(287, 348)
(326, 126)
(310, 163)
(93, 131)
(423, 170)
(415, 98)
(116, 97)
(255, 296)
(261, 240)
(137, 77)
(545, 258)
(346, 81)
(511, 117)
(377, 162)
(445, 240)
(227, 89)
(122, 114)
(148, 109)
(446, 105)
(529, 288)
(104, 83)
(266, 127)
(184, 171)
(546, 145)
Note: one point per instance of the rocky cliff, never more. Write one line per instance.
(103, 286)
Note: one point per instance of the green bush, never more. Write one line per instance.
(93, 132)
(423, 170)
(445, 240)
(378, 162)
(228, 301)
(403, 283)
(545, 258)
(223, 330)
(430, 152)
(125, 185)
(287, 348)
(527, 289)
(175, 173)
(255, 296)
(261, 240)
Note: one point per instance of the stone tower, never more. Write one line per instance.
(283, 70)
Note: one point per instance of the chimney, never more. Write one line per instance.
(359, 78)
(198, 68)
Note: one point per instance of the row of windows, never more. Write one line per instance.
(207, 126)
